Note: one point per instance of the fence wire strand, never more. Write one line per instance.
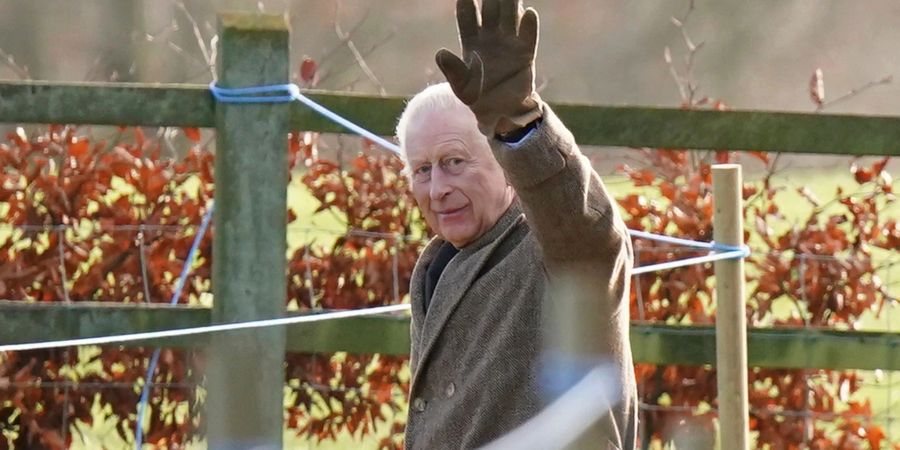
(142, 251)
(392, 241)
(60, 238)
(890, 376)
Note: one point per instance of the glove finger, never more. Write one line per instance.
(510, 11)
(459, 75)
(471, 92)
(528, 28)
(490, 14)
(466, 22)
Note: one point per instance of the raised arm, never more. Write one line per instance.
(586, 250)
(565, 201)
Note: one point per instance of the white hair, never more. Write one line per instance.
(437, 97)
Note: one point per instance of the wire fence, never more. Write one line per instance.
(35, 241)
(874, 397)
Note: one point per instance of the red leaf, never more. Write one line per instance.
(19, 138)
(79, 147)
(192, 133)
(667, 189)
(874, 434)
(762, 156)
(862, 175)
(156, 183)
(643, 177)
(361, 163)
(139, 137)
(308, 70)
(878, 167)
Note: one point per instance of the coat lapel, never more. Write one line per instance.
(417, 285)
(454, 283)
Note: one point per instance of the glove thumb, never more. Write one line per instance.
(465, 80)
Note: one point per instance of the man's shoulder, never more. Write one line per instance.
(519, 246)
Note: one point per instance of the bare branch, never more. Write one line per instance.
(856, 91)
(213, 53)
(9, 61)
(180, 51)
(330, 53)
(360, 60)
(201, 43)
(328, 73)
(680, 25)
(684, 79)
(196, 29)
(92, 70)
(350, 85)
(365, 68)
(667, 54)
(164, 34)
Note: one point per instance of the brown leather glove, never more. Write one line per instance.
(496, 75)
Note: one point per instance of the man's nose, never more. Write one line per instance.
(440, 184)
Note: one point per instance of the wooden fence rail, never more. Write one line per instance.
(627, 126)
(192, 105)
(789, 348)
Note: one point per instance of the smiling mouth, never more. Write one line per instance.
(450, 212)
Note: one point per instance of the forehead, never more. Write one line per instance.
(437, 132)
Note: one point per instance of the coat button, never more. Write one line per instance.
(419, 404)
(451, 389)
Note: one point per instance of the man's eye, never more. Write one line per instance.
(422, 170)
(453, 162)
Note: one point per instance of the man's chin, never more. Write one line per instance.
(458, 237)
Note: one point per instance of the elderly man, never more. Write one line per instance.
(526, 236)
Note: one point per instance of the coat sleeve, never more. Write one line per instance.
(586, 249)
(564, 199)
(588, 258)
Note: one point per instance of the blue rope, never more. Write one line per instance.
(281, 93)
(154, 360)
(245, 95)
(719, 252)
(738, 253)
(677, 241)
(288, 93)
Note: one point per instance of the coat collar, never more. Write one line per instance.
(456, 280)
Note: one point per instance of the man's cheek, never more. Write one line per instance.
(432, 220)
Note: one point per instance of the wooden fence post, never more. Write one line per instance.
(245, 374)
(731, 321)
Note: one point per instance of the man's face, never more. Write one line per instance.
(457, 183)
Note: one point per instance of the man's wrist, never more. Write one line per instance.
(516, 134)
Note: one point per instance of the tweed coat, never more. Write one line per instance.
(476, 353)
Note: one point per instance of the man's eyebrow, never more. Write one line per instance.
(417, 161)
(454, 145)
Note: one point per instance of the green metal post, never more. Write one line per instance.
(245, 374)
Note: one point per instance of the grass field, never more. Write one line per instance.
(877, 385)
